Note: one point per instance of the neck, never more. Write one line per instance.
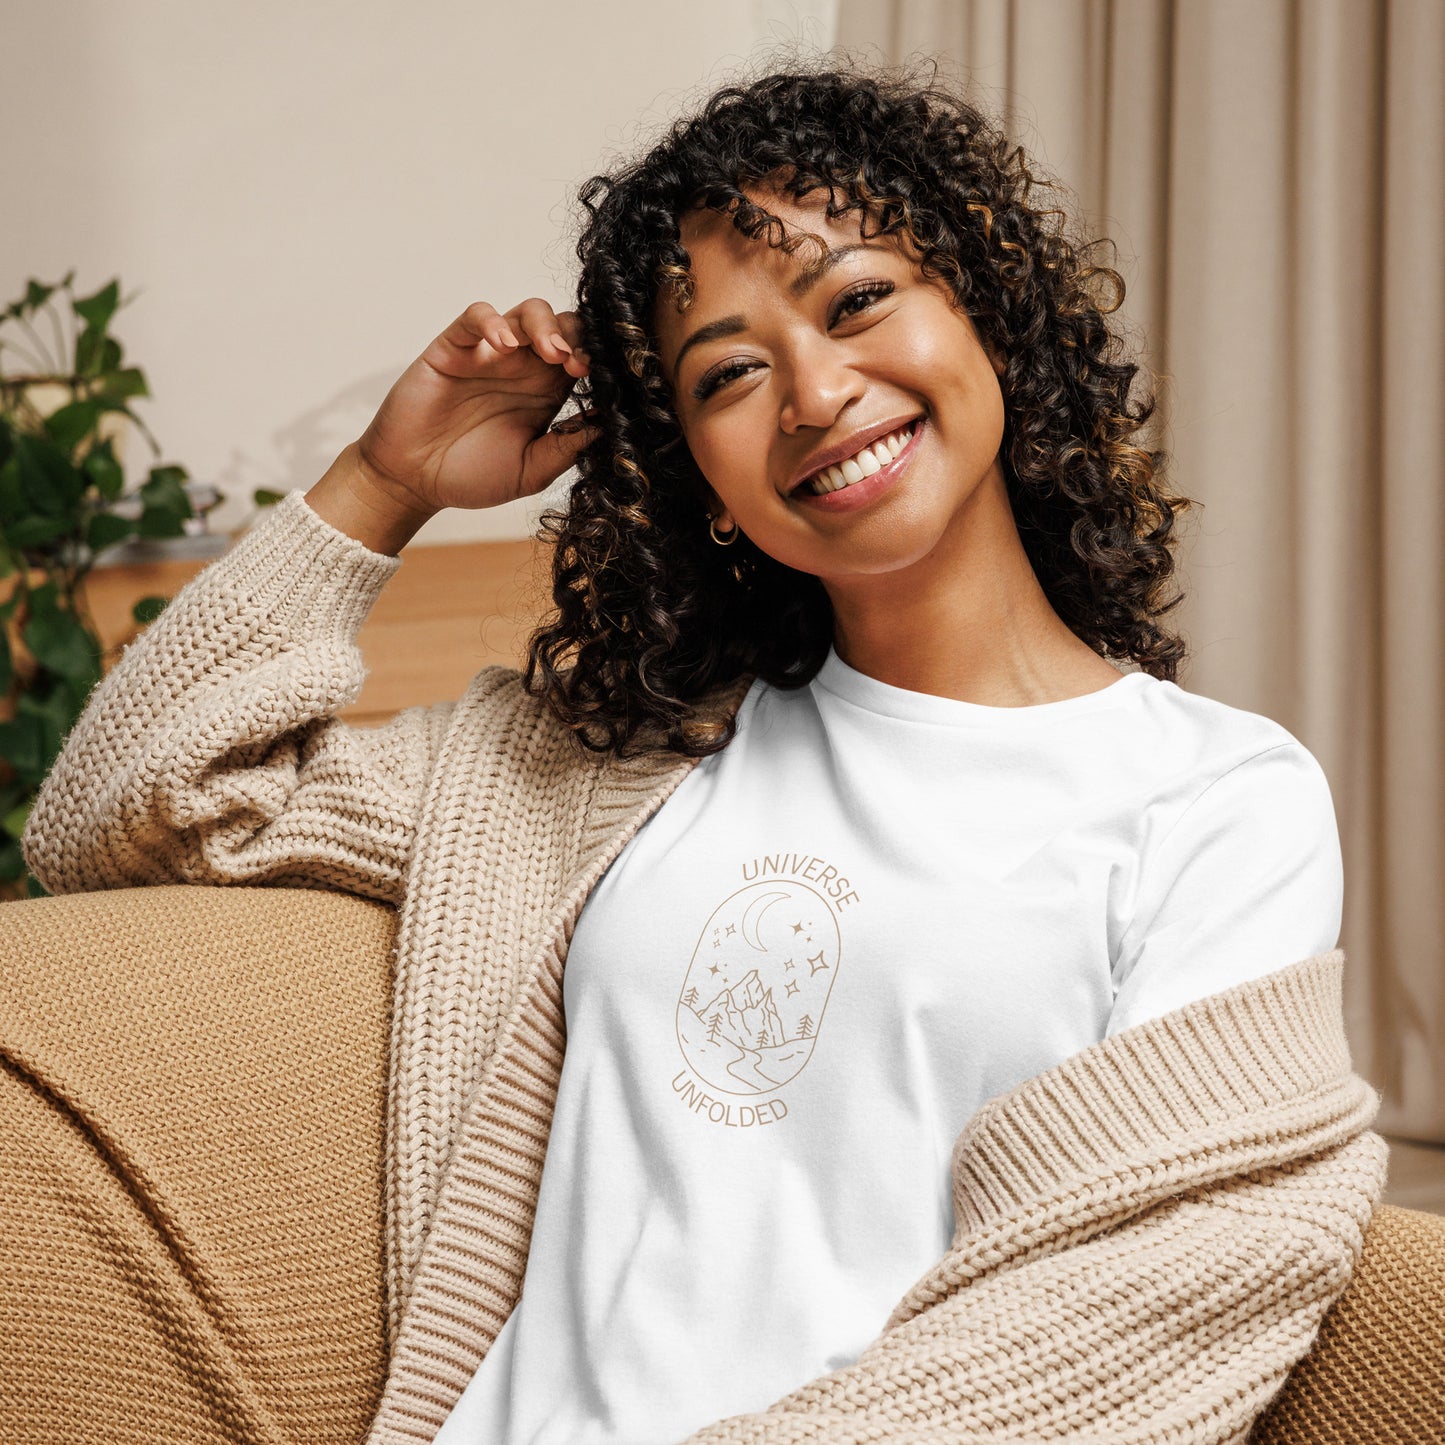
(969, 620)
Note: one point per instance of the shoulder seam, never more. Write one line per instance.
(1184, 812)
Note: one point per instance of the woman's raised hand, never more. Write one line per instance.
(467, 423)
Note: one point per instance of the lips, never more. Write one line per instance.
(846, 449)
(832, 496)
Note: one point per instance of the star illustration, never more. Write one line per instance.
(817, 961)
(797, 928)
(713, 969)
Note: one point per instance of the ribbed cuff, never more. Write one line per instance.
(322, 580)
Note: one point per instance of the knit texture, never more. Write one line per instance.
(1148, 1234)
(191, 1125)
(1376, 1372)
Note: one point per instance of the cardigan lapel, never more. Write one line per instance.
(470, 1231)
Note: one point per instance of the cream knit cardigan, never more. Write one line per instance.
(1148, 1234)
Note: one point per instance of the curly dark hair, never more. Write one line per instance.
(650, 615)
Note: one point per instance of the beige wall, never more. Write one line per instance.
(303, 195)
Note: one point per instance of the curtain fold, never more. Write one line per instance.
(1273, 174)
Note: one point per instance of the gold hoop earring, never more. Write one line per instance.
(726, 541)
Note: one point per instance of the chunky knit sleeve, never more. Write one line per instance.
(210, 752)
(1148, 1238)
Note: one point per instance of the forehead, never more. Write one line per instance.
(726, 267)
(702, 227)
(709, 236)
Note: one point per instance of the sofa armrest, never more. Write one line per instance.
(192, 1114)
(1376, 1371)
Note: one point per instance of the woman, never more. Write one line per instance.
(888, 903)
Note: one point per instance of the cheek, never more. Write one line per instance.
(728, 452)
(960, 379)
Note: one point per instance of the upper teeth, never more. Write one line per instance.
(874, 457)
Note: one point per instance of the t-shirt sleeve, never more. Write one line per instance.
(1248, 880)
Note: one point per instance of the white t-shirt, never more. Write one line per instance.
(872, 912)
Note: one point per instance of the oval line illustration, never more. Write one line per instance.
(756, 989)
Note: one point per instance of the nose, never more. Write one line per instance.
(819, 383)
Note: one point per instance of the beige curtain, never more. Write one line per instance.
(1274, 174)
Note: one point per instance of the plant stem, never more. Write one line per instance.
(35, 337)
(54, 315)
(31, 359)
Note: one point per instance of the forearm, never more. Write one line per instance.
(1180, 1325)
(356, 501)
(210, 752)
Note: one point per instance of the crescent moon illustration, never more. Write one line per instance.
(758, 907)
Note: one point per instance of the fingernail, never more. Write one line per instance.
(559, 343)
(507, 337)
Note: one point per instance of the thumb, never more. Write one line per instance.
(549, 454)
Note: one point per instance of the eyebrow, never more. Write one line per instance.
(726, 326)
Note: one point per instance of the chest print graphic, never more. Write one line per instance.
(755, 995)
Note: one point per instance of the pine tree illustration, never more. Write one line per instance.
(762, 1038)
(805, 1027)
(690, 997)
(712, 1027)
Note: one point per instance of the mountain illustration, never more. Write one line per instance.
(745, 1015)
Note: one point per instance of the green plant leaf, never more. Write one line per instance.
(148, 609)
(60, 642)
(12, 493)
(97, 310)
(102, 468)
(45, 598)
(12, 861)
(67, 426)
(262, 497)
(165, 483)
(36, 295)
(7, 669)
(121, 384)
(90, 352)
(109, 356)
(51, 484)
(22, 745)
(35, 530)
(105, 529)
(13, 822)
(12, 795)
(166, 504)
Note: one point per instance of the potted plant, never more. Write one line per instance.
(65, 407)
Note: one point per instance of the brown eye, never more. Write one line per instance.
(859, 299)
(717, 377)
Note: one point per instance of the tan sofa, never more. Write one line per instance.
(191, 1132)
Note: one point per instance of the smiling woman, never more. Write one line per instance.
(811, 266)
(893, 1023)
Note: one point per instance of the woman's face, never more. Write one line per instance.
(781, 366)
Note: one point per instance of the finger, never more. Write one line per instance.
(542, 329)
(477, 335)
(570, 325)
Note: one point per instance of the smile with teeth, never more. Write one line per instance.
(873, 458)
